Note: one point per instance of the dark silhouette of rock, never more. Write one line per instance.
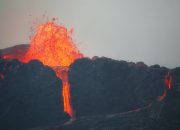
(106, 94)
(105, 86)
(170, 114)
(30, 96)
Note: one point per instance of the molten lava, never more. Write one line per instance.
(167, 85)
(62, 73)
(53, 46)
(162, 97)
(168, 80)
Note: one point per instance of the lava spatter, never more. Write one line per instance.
(53, 46)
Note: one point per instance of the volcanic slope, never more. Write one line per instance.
(94, 109)
(30, 96)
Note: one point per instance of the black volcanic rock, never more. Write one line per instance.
(106, 95)
(106, 86)
(170, 114)
(167, 115)
(30, 96)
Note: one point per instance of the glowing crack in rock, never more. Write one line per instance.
(167, 85)
(168, 80)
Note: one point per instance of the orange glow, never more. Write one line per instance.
(162, 97)
(62, 73)
(167, 85)
(53, 46)
(168, 80)
(8, 57)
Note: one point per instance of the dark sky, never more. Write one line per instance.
(132, 30)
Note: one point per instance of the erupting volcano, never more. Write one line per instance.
(53, 46)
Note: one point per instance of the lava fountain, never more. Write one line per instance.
(53, 46)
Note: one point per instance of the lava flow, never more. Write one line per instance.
(168, 80)
(53, 46)
(167, 85)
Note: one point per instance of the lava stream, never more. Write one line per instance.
(168, 80)
(62, 73)
(167, 85)
(53, 46)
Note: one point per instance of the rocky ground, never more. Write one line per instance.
(30, 96)
(106, 95)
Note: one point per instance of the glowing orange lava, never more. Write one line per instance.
(53, 46)
(62, 73)
(168, 80)
(167, 85)
(162, 97)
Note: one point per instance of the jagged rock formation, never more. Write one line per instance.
(106, 86)
(170, 114)
(106, 95)
(159, 115)
(30, 96)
